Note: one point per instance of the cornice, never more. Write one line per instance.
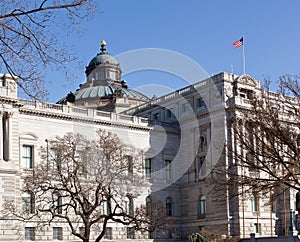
(12, 101)
(74, 118)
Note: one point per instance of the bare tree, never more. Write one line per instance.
(264, 148)
(28, 38)
(87, 184)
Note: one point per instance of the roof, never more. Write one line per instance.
(108, 91)
(103, 58)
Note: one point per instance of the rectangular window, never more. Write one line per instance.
(112, 75)
(257, 227)
(108, 233)
(202, 206)
(27, 156)
(168, 169)
(130, 233)
(201, 166)
(148, 167)
(170, 113)
(201, 228)
(27, 202)
(156, 116)
(106, 208)
(129, 165)
(54, 159)
(57, 233)
(200, 102)
(185, 107)
(150, 235)
(255, 202)
(101, 75)
(30, 233)
(57, 204)
(81, 231)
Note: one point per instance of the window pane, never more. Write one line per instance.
(29, 233)
(185, 107)
(170, 113)
(57, 233)
(168, 169)
(27, 156)
(106, 208)
(148, 167)
(54, 159)
(129, 165)
(148, 206)
(108, 233)
(257, 227)
(57, 204)
(112, 75)
(169, 206)
(201, 102)
(156, 116)
(128, 205)
(255, 202)
(27, 202)
(201, 166)
(202, 205)
(101, 75)
(81, 231)
(130, 233)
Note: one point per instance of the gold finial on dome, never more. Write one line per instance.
(103, 46)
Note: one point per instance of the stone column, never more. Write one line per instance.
(10, 136)
(5, 140)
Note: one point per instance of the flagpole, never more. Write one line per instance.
(244, 61)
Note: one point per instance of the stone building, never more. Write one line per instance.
(182, 135)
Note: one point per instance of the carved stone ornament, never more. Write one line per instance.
(246, 79)
(228, 90)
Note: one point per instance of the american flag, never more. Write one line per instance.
(238, 43)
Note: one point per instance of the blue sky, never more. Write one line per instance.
(203, 30)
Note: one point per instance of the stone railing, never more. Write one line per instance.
(181, 92)
(82, 112)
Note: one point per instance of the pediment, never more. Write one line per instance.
(29, 136)
(247, 80)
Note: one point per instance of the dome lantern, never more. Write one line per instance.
(103, 61)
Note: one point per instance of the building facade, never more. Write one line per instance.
(183, 135)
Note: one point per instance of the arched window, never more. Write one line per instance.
(128, 205)
(201, 205)
(57, 203)
(169, 209)
(28, 202)
(148, 206)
